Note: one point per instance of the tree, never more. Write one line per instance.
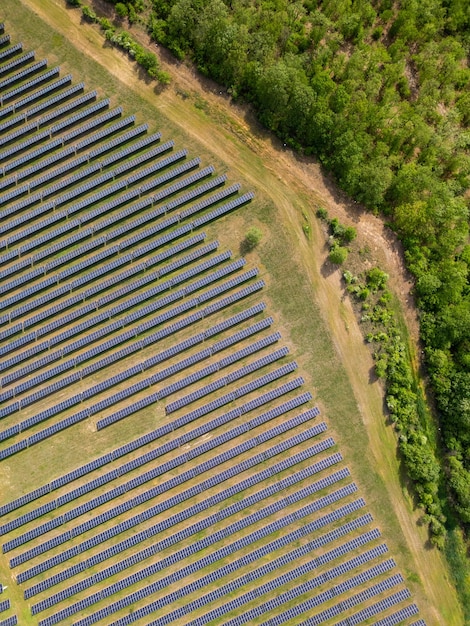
(338, 255)
(376, 279)
(121, 10)
(252, 238)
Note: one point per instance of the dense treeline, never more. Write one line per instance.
(380, 92)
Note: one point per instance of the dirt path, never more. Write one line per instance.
(296, 185)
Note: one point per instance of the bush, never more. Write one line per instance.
(89, 14)
(121, 10)
(376, 279)
(338, 255)
(252, 238)
(322, 213)
(164, 77)
(349, 234)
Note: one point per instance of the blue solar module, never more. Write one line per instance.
(54, 100)
(36, 95)
(215, 480)
(7, 452)
(4, 605)
(398, 617)
(10, 621)
(376, 608)
(203, 391)
(5, 54)
(225, 551)
(19, 76)
(41, 78)
(21, 60)
(234, 547)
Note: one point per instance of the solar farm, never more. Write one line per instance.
(223, 499)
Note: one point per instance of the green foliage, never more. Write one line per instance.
(252, 238)
(456, 553)
(376, 279)
(89, 14)
(338, 255)
(121, 10)
(322, 213)
(74, 3)
(344, 234)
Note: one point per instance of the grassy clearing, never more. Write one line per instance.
(295, 290)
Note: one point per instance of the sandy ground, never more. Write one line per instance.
(297, 185)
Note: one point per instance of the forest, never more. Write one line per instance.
(379, 92)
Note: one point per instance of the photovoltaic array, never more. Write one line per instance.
(223, 499)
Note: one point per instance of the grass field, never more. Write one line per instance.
(318, 328)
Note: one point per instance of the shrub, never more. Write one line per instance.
(322, 213)
(252, 238)
(121, 10)
(376, 279)
(89, 14)
(338, 255)
(349, 234)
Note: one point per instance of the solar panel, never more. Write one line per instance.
(154, 510)
(19, 76)
(21, 60)
(18, 47)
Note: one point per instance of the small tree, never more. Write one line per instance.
(121, 10)
(89, 14)
(338, 255)
(349, 234)
(252, 238)
(376, 279)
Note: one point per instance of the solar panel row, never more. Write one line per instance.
(188, 304)
(34, 126)
(41, 78)
(104, 192)
(214, 537)
(5, 54)
(4, 605)
(222, 382)
(19, 76)
(270, 566)
(21, 60)
(49, 161)
(134, 540)
(83, 415)
(82, 357)
(35, 95)
(141, 498)
(149, 513)
(334, 610)
(228, 323)
(77, 132)
(373, 609)
(170, 540)
(202, 544)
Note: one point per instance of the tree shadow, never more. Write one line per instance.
(245, 248)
